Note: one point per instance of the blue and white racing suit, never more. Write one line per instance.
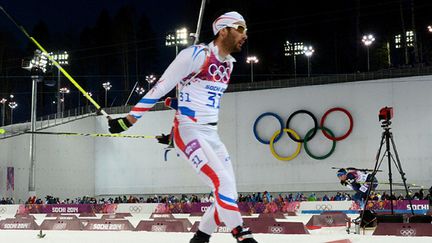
(202, 76)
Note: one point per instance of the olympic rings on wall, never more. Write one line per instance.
(332, 137)
(315, 129)
(261, 117)
(309, 135)
(272, 141)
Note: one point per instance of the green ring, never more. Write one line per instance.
(306, 139)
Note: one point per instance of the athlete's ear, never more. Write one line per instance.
(223, 32)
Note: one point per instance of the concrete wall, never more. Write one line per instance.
(64, 165)
(76, 166)
(137, 166)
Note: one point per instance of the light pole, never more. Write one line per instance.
(367, 41)
(89, 94)
(107, 86)
(3, 102)
(308, 51)
(150, 80)
(37, 67)
(180, 38)
(252, 60)
(63, 91)
(294, 49)
(62, 58)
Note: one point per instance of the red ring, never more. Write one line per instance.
(349, 130)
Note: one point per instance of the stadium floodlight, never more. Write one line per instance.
(252, 60)
(12, 105)
(62, 57)
(63, 91)
(308, 52)
(38, 63)
(150, 80)
(107, 86)
(179, 38)
(294, 49)
(367, 41)
(139, 90)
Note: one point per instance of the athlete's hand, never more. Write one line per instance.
(164, 139)
(119, 125)
(343, 183)
(171, 102)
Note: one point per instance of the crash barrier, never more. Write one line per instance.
(404, 229)
(112, 216)
(327, 220)
(87, 215)
(276, 215)
(198, 209)
(164, 225)
(264, 225)
(18, 224)
(8, 209)
(108, 225)
(161, 216)
(67, 217)
(61, 224)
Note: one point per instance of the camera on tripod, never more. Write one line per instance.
(385, 115)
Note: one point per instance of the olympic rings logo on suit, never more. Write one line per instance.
(219, 73)
(309, 135)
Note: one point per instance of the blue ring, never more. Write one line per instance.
(256, 123)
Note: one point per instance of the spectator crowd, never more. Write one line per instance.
(263, 197)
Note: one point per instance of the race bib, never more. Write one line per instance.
(363, 188)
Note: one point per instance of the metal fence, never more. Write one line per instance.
(335, 78)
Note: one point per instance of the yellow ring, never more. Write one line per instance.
(277, 156)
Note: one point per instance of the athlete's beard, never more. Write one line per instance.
(231, 44)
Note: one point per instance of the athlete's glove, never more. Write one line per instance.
(343, 183)
(118, 125)
(164, 139)
(171, 102)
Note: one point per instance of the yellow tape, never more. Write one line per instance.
(276, 155)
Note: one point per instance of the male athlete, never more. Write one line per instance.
(357, 180)
(202, 73)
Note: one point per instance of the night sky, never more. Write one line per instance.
(334, 28)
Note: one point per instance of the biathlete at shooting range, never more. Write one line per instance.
(357, 180)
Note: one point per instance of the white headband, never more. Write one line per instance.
(227, 20)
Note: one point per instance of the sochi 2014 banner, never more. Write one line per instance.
(247, 207)
(398, 205)
(67, 208)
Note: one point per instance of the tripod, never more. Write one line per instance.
(387, 138)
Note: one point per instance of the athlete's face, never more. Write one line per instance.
(235, 37)
(342, 177)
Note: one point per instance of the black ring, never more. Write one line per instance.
(315, 129)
